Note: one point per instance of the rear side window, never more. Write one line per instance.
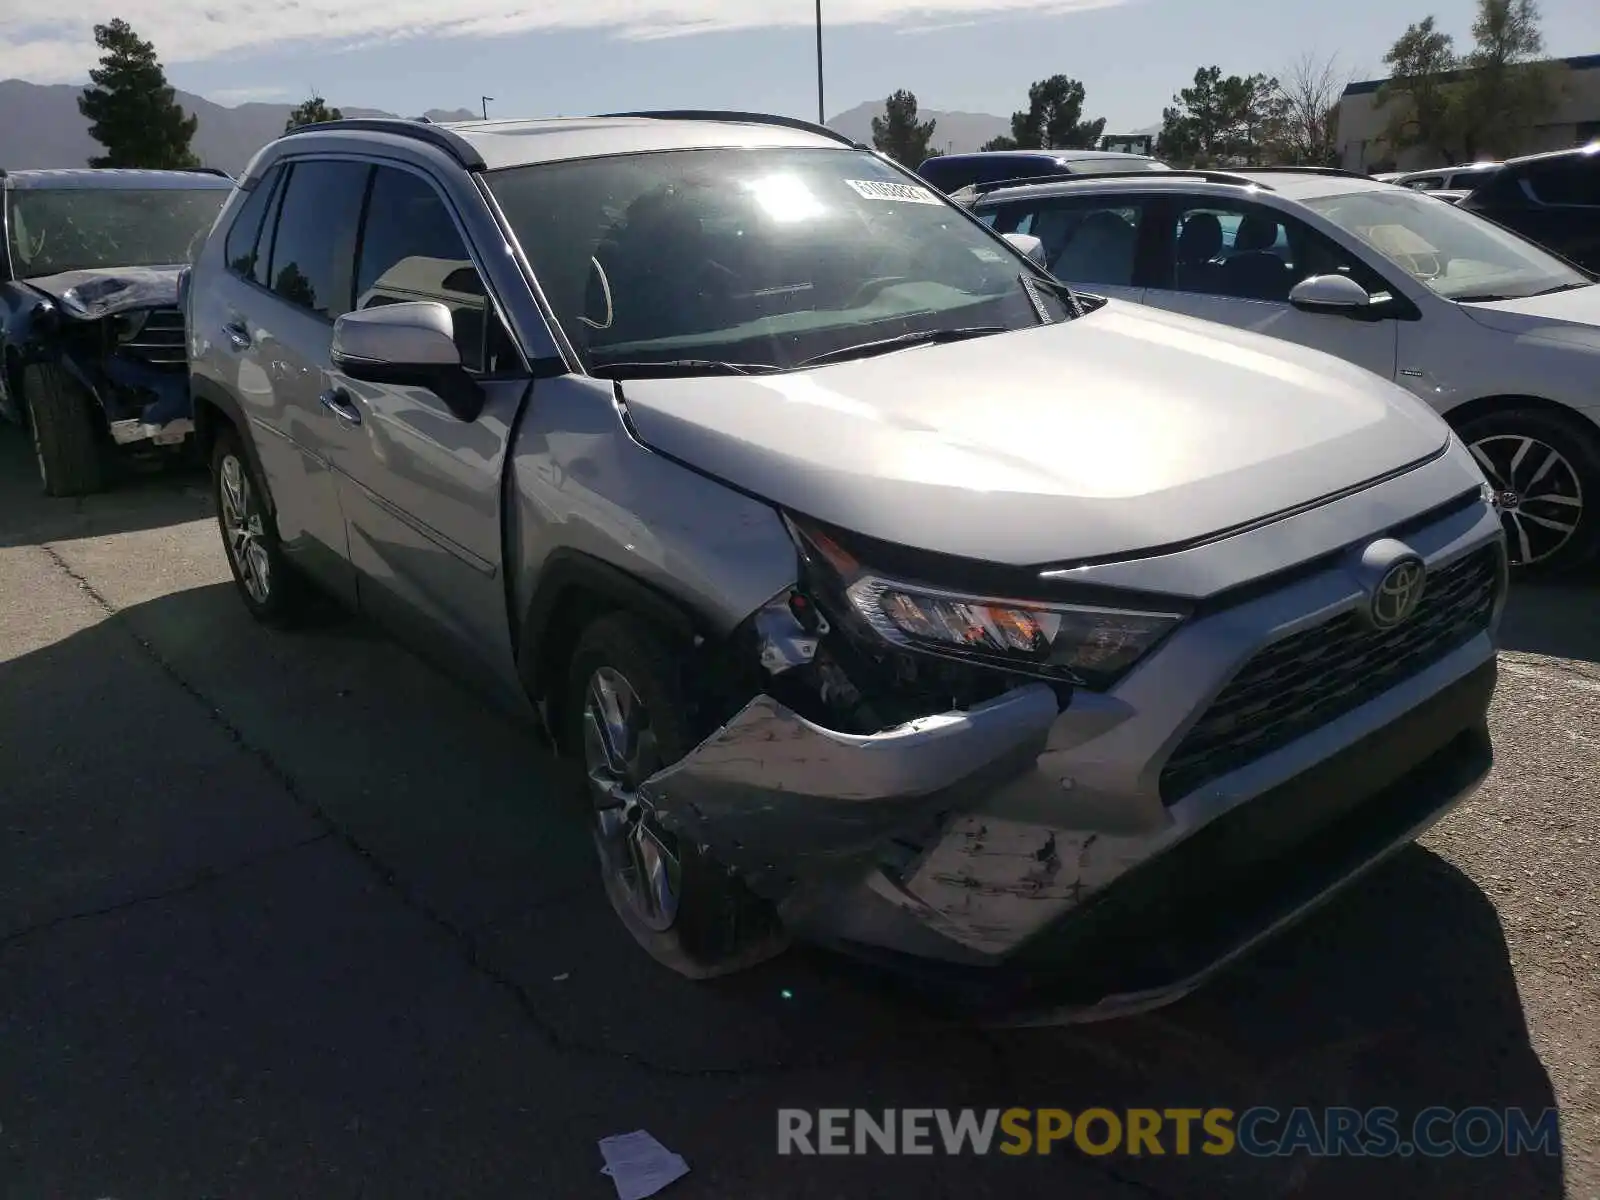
(411, 250)
(1086, 240)
(314, 250)
(1567, 181)
(246, 249)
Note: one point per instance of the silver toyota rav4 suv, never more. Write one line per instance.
(893, 595)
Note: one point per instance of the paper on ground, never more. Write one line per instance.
(639, 1165)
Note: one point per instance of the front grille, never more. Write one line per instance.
(160, 340)
(1312, 677)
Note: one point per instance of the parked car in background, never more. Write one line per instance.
(952, 172)
(1499, 336)
(1462, 178)
(1448, 195)
(889, 594)
(91, 337)
(1552, 199)
(1387, 176)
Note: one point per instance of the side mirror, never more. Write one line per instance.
(1029, 245)
(410, 344)
(1330, 294)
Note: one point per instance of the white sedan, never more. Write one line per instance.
(1500, 336)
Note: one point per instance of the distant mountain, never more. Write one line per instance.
(954, 133)
(40, 127)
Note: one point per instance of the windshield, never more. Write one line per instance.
(765, 258)
(1457, 254)
(78, 229)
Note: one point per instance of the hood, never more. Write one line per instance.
(1571, 317)
(1123, 431)
(90, 295)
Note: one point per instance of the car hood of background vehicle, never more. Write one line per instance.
(1126, 430)
(1571, 317)
(90, 295)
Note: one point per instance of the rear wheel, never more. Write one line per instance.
(628, 717)
(267, 583)
(1544, 466)
(65, 421)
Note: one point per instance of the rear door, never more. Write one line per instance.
(1234, 261)
(280, 294)
(1094, 241)
(420, 487)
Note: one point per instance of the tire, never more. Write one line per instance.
(269, 586)
(65, 421)
(704, 923)
(1545, 465)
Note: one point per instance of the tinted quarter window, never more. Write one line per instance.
(246, 248)
(1094, 242)
(411, 250)
(313, 252)
(1569, 181)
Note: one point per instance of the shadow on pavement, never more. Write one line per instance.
(176, 748)
(1559, 619)
(143, 500)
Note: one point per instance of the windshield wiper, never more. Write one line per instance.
(1561, 287)
(678, 366)
(899, 342)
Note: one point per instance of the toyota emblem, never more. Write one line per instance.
(1398, 592)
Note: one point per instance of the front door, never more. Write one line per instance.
(1235, 261)
(288, 278)
(420, 486)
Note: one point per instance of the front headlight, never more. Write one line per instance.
(1088, 645)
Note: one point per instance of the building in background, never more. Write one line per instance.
(1575, 122)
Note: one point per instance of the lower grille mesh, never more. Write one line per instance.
(1312, 677)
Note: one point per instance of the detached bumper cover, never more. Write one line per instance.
(778, 797)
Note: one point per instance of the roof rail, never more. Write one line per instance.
(438, 136)
(208, 171)
(1294, 170)
(701, 114)
(979, 189)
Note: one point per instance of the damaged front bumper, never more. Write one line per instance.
(1032, 857)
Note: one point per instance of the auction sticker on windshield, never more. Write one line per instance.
(876, 189)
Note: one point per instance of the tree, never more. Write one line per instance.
(899, 134)
(311, 112)
(130, 109)
(1424, 106)
(1053, 119)
(1309, 93)
(1507, 85)
(1222, 119)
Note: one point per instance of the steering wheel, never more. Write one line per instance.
(1415, 264)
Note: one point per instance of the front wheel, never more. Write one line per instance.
(629, 718)
(1544, 466)
(266, 582)
(65, 420)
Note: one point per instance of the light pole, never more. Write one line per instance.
(486, 99)
(822, 116)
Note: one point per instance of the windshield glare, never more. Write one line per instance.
(756, 256)
(1457, 254)
(79, 229)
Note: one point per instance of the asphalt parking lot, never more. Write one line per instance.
(294, 915)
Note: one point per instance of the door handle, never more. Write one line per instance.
(338, 402)
(236, 333)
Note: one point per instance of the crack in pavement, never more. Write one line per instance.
(460, 936)
(202, 878)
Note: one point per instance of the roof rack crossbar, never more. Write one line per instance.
(704, 114)
(438, 136)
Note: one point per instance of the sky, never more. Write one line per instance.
(567, 57)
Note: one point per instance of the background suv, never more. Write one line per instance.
(1552, 199)
(952, 172)
(1490, 330)
(889, 593)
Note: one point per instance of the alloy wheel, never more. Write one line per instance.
(243, 530)
(620, 752)
(1537, 491)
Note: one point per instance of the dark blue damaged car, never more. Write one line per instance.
(91, 331)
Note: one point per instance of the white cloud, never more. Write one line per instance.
(48, 50)
(247, 95)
